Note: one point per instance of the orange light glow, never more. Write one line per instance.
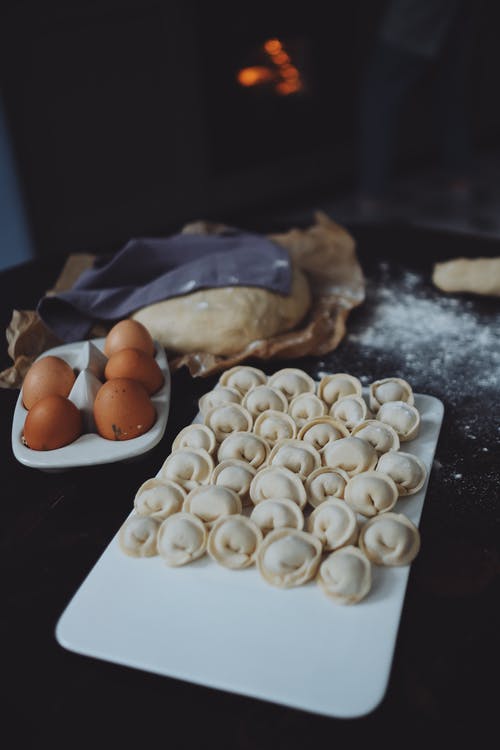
(272, 46)
(254, 75)
(281, 73)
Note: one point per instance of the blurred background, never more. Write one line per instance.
(126, 118)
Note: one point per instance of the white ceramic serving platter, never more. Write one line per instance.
(230, 630)
(90, 448)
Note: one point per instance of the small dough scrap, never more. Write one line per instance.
(337, 385)
(380, 435)
(288, 557)
(390, 539)
(244, 446)
(276, 514)
(292, 381)
(371, 492)
(407, 470)
(274, 426)
(324, 484)
(236, 475)
(225, 419)
(472, 275)
(351, 454)
(221, 394)
(233, 541)
(210, 502)
(261, 398)
(188, 467)
(334, 523)
(182, 538)
(195, 436)
(346, 575)
(300, 457)
(305, 407)
(137, 536)
(403, 417)
(276, 482)
(243, 378)
(159, 498)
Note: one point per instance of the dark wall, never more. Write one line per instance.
(126, 118)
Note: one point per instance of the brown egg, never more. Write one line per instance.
(129, 334)
(123, 409)
(49, 376)
(52, 422)
(137, 365)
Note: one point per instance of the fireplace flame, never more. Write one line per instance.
(281, 72)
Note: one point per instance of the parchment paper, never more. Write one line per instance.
(325, 251)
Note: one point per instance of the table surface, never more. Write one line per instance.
(447, 656)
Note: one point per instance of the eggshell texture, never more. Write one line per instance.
(54, 421)
(129, 334)
(49, 376)
(123, 409)
(137, 365)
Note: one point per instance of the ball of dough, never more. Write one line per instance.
(224, 321)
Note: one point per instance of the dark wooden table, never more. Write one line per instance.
(447, 658)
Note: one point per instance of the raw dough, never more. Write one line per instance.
(476, 275)
(225, 320)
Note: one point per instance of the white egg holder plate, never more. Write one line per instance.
(230, 630)
(90, 448)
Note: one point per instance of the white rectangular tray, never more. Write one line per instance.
(230, 630)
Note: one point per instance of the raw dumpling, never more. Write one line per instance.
(382, 436)
(225, 419)
(371, 492)
(350, 410)
(182, 538)
(351, 454)
(220, 395)
(305, 407)
(195, 436)
(244, 446)
(403, 417)
(288, 557)
(233, 541)
(243, 377)
(389, 389)
(159, 499)
(390, 539)
(334, 523)
(333, 387)
(296, 455)
(137, 536)
(346, 575)
(210, 501)
(276, 514)
(236, 475)
(261, 398)
(274, 425)
(407, 470)
(188, 467)
(277, 482)
(325, 483)
(322, 430)
(292, 381)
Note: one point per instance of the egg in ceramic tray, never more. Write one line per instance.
(76, 393)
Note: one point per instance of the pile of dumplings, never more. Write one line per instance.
(297, 477)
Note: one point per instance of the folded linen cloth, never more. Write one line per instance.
(148, 270)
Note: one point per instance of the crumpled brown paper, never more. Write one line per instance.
(325, 251)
